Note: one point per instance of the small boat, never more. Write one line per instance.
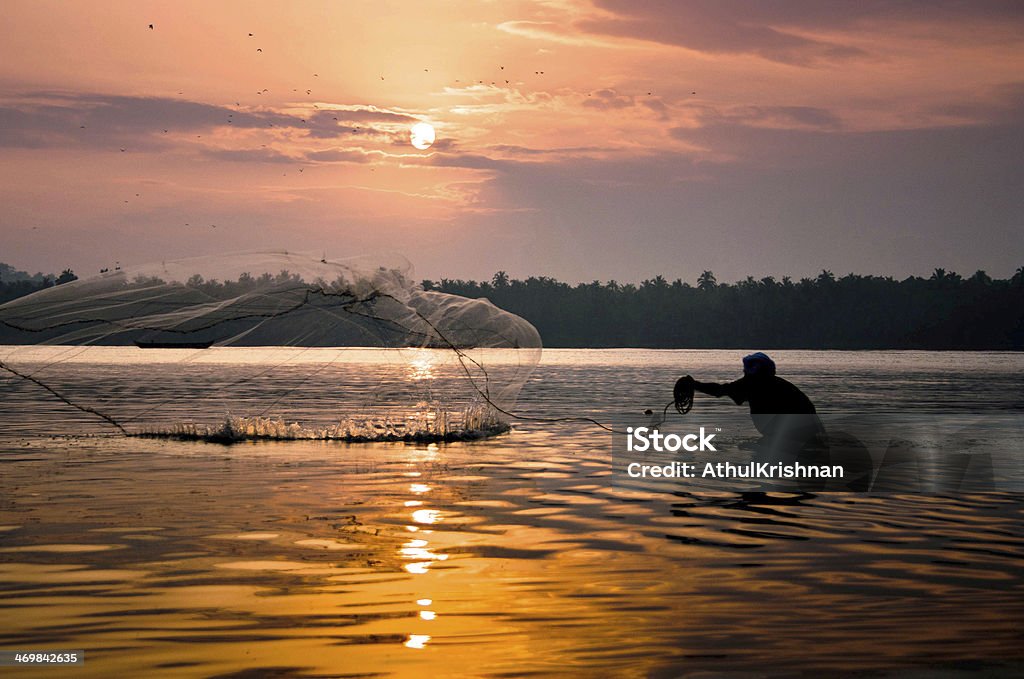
(146, 344)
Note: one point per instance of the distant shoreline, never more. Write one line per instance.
(945, 312)
(151, 352)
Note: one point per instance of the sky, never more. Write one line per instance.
(585, 140)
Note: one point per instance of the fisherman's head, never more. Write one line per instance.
(758, 365)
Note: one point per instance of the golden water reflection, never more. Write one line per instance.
(417, 640)
(306, 558)
(426, 516)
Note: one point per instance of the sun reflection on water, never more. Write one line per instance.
(417, 551)
(417, 640)
(427, 516)
(421, 368)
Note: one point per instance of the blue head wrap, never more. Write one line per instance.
(758, 365)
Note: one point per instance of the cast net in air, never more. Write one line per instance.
(267, 345)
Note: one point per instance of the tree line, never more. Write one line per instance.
(944, 311)
(14, 283)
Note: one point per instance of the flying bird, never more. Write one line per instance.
(151, 27)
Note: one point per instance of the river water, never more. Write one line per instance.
(510, 556)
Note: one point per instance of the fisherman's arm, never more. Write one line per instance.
(731, 389)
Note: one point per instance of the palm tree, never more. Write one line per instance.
(66, 276)
(706, 281)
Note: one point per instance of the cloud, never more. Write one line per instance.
(250, 155)
(341, 155)
(608, 99)
(367, 114)
(362, 121)
(706, 28)
(469, 161)
(786, 117)
(38, 120)
(732, 129)
(1003, 103)
(788, 32)
(516, 150)
(553, 32)
(791, 201)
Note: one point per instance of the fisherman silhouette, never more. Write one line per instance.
(783, 414)
(765, 392)
(788, 422)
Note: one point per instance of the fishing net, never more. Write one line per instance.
(267, 345)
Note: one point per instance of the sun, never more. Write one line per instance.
(422, 135)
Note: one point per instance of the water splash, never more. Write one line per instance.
(431, 425)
